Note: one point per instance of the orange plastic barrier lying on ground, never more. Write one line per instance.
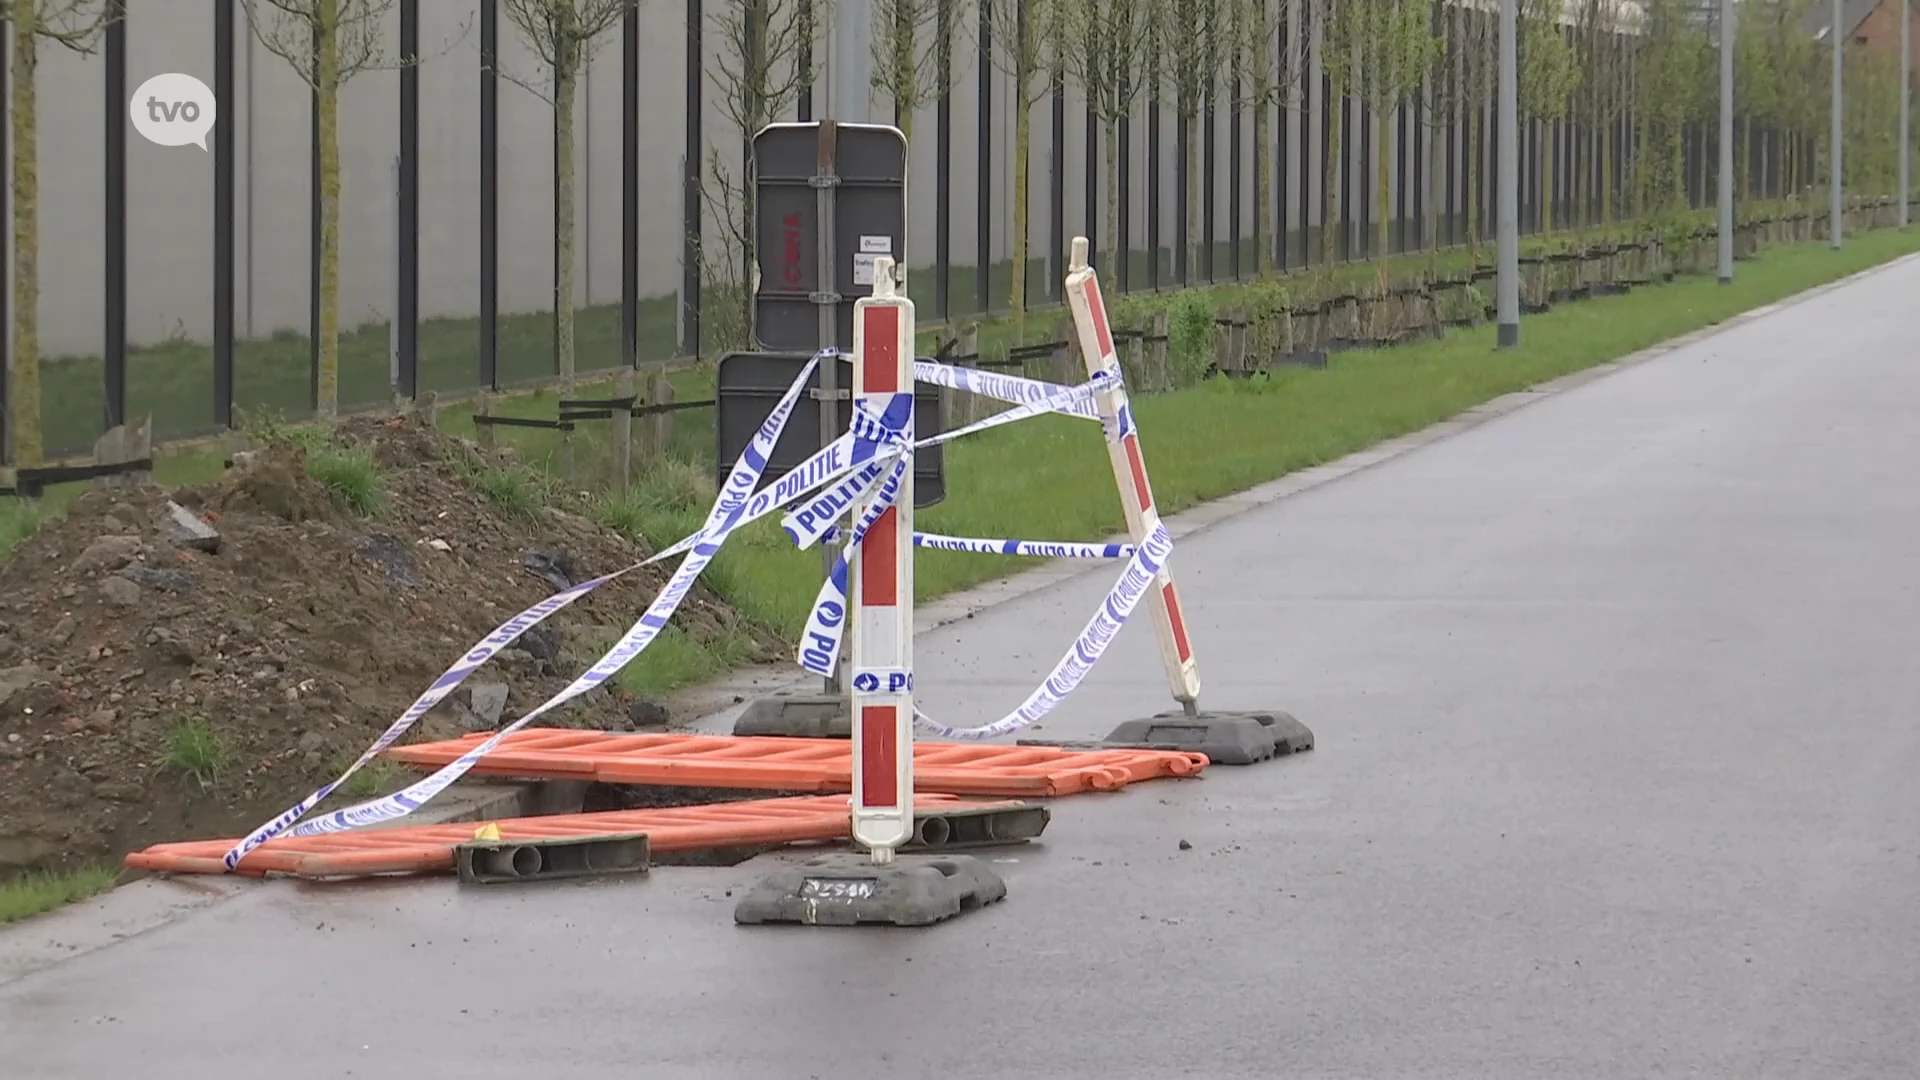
(790, 764)
(429, 848)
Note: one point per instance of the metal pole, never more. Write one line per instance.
(1508, 182)
(1726, 142)
(1834, 34)
(852, 61)
(849, 89)
(114, 288)
(1906, 126)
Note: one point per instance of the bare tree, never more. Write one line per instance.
(1267, 62)
(563, 34)
(1189, 33)
(1401, 47)
(1031, 30)
(765, 58)
(326, 43)
(1548, 76)
(1106, 48)
(75, 25)
(907, 57)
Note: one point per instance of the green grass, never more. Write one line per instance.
(376, 777)
(35, 893)
(514, 488)
(350, 475)
(195, 749)
(1049, 478)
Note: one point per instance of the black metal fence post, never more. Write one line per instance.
(313, 251)
(6, 249)
(407, 302)
(630, 187)
(224, 154)
(943, 164)
(490, 194)
(690, 208)
(113, 351)
(983, 181)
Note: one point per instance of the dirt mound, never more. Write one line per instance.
(157, 683)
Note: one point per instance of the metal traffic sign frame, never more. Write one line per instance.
(830, 200)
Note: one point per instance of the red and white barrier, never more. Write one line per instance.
(1130, 468)
(881, 580)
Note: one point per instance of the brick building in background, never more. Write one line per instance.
(1872, 23)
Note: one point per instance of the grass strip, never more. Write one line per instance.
(37, 893)
(1049, 478)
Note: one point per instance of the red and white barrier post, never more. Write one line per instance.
(1227, 738)
(881, 580)
(1130, 469)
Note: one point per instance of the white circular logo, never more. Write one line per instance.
(174, 109)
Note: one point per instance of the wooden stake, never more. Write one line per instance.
(623, 390)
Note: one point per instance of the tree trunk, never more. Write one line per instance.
(566, 77)
(1263, 234)
(1331, 184)
(1193, 193)
(1022, 145)
(1609, 139)
(1476, 132)
(1112, 152)
(1382, 181)
(1546, 175)
(327, 84)
(24, 394)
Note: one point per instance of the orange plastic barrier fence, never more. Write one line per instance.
(789, 764)
(429, 848)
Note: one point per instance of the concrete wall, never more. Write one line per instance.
(170, 190)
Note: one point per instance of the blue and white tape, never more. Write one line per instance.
(1087, 649)
(878, 443)
(1036, 549)
(1040, 549)
(826, 621)
(731, 510)
(1014, 389)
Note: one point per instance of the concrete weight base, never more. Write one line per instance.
(850, 889)
(1227, 738)
(800, 716)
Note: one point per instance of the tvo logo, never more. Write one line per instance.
(883, 681)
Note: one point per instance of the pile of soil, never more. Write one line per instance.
(303, 635)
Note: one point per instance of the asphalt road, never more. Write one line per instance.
(1615, 704)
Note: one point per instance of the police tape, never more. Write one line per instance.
(872, 441)
(732, 509)
(1087, 649)
(826, 627)
(1035, 549)
(1015, 389)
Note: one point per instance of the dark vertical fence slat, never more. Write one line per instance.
(6, 249)
(114, 288)
(690, 197)
(1209, 122)
(803, 99)
(1234, 118)
(1182, 273)
(1153, 178)
(407, 302)
(313, 242)
(224, 155)
(490, 194)
(943, 164)
(1123, 241)
(983, 179)
(1057, 196)
(1090, 207)
(630, 187)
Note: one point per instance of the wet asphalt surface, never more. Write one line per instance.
(1617, 738)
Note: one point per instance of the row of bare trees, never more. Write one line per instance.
(1619, 80)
